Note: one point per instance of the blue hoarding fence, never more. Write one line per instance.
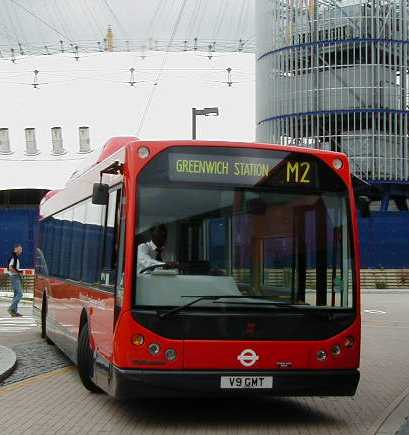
(385, 240)
(18, 225)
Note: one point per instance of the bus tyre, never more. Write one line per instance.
(85, 368)
(44, 321)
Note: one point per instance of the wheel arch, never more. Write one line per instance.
(44, 297)
(83, 321)
(43, 313)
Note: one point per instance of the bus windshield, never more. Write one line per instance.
(270, 242)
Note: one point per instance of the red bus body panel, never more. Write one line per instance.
(112, 338)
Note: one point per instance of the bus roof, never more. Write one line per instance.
(114, 144)
(114, 149)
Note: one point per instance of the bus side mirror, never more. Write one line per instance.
(363, 206)
(100, 194)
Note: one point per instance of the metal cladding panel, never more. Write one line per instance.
(384, 249)
(334, 75)
(18, 225)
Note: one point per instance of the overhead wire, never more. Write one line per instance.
(16, 23)
(48, 45)
(243, 11)
(43, 39)
(20, 28)
(6, 32)
(150, 99)
(220, 18)
(224, 16)
(164, 16)
(200, 19)
(193, 17)
(153, 19)
(89, 46)
(60, 18)
(114, 15)
(28, 11)
(72, 12)
(94, 19)
(137, 46)
(6, 5)
(90, 18)
(188, 70)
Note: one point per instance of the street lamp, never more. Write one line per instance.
(206, 112)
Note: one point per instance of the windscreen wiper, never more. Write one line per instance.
(276, 303)
(217, 297)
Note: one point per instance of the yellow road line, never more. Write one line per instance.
(34, 380)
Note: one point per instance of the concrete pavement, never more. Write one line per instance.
(34, 356)
(404, 430)
(56, 402)
(8, 358)
(396, 418)
(16, 330)
(8, 362)
(12, 328)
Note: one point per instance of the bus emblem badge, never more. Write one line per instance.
(248, 357)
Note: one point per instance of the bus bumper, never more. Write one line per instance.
(126, 384)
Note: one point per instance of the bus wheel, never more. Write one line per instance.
(85, 361)
(44, 321)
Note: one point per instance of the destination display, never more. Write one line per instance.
(241, 170)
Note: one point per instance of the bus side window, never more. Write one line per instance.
(77, 242)
(111, 240)
(92, 237)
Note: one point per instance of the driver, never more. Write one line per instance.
(153, 253)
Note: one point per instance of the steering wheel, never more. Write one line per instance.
(152, 268)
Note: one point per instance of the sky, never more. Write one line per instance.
(93, 91)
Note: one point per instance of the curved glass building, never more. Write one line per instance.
(333, 74)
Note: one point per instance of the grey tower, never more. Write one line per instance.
(333, 75)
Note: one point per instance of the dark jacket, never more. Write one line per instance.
(13, 262)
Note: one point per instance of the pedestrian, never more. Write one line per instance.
(16, 278)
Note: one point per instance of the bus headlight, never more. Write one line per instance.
(138, 340)
(337, 164)
(349, 341)
(154, 349)
(143, 152)
(336, 350)
(170, 354)
(321, 355)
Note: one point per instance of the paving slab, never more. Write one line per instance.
(8, 361)
(34, 359)
(56, 403)
(395, 418)
(404, 430)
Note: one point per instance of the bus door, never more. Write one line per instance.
(104, 310)
(59, 299)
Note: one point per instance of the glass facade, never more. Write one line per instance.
(334, 75)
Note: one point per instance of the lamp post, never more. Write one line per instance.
(206, 112)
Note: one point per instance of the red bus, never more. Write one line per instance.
(192, 268)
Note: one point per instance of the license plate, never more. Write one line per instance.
(246, 382)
